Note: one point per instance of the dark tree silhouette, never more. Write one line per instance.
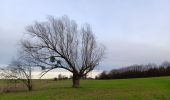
(58, 43)
(138, 71)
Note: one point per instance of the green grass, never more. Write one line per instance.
(123, 89)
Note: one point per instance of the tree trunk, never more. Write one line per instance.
(76, 81)
(29, 85)
(30, 88)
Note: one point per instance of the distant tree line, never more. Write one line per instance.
(62, 77)
(137, 71)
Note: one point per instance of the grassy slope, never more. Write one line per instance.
(124, 89)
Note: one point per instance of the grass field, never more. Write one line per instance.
(123, 89)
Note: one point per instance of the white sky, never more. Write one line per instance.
(134, 31)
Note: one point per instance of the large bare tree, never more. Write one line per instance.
(59, 43)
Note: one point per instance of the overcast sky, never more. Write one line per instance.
(133, 31)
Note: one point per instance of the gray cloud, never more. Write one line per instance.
(134, 32)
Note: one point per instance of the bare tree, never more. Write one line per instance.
(58, 43)
(19, 69)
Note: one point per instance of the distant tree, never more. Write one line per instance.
(58, 43)
(60, 76)
(21, 70)
(103, 75)
(165, 64)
